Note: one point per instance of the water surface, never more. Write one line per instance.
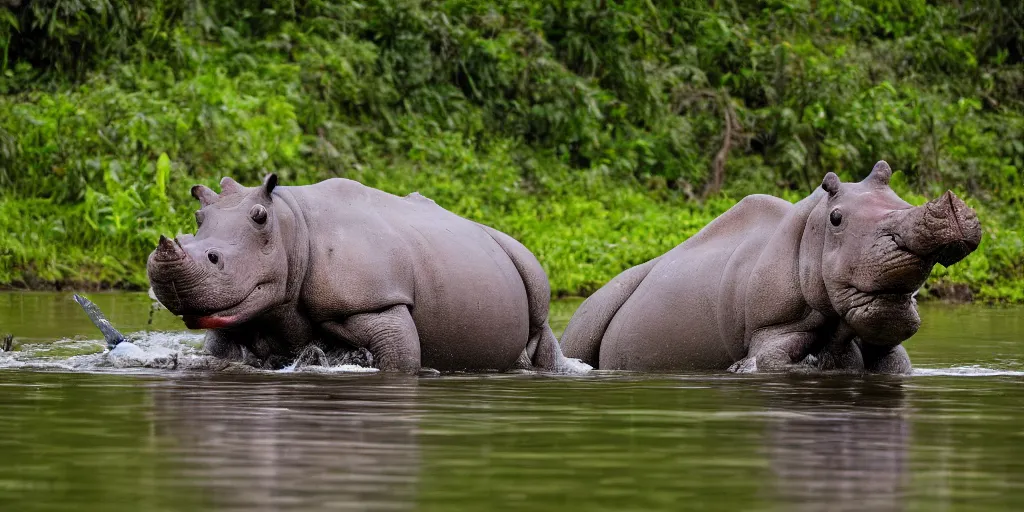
(80, 433)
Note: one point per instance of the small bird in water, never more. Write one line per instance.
(8, 343)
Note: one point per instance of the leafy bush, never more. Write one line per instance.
(598, 133)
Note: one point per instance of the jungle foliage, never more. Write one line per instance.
(600, 133)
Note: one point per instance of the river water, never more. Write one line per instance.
(83, 431)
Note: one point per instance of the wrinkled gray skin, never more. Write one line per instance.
(769, 283)
(343, 266)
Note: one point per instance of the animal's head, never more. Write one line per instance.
(236, 265)
(877, 251)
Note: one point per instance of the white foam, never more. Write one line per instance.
(966, 371)
(341, 368)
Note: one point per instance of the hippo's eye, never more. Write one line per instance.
(258, 214)
(836, 217)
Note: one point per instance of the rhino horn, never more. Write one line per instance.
(168, 250)
(945, 229)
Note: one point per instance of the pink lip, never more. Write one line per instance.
(209, 322)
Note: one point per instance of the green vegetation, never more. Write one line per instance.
(599, 133)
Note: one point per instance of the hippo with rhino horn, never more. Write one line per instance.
(829, 281)
(274, 269)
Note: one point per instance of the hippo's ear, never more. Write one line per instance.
(204, 194)
(831, 184)
(229, 186)
(880, 175)
(268, 184)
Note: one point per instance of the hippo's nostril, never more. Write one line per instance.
(953, 252)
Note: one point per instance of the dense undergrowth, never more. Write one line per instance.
(599, 133)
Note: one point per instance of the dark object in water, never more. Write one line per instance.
(112, 335)
(8, 343)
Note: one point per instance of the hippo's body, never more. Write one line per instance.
(769, 283)
(274, 269)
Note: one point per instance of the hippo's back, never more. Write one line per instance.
(688, 313)
(372, 249)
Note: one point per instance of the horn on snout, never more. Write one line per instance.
(168, 250)
(945, 229)
(173, 274)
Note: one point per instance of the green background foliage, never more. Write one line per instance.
(598, 133)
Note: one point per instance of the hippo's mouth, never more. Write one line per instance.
(899, 295)
(884, 317)
(225, 318)
(209, 321)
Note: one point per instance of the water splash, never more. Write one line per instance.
(154, 351)
(160, 351)
(313, 359)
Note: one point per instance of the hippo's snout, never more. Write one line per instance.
(944, 230)
(176, 276)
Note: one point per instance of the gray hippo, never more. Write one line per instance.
(344, 266)
(769, 283)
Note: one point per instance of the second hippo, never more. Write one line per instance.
(272, 270)
(769, 283)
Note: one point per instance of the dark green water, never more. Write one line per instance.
(78, 434)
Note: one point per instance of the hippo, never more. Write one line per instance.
(829, 282)
(274, 269)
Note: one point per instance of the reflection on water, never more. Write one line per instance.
(844, 446)
(348, 444)
(377, 442)
(160, 439)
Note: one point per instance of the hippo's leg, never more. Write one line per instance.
(390, 336)
(893, 361)
(247, 347)
(846, 357)
(777, 348)
(542, 350)
(840, 352)
(222, 346)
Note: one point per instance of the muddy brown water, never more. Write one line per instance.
(80, 432)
